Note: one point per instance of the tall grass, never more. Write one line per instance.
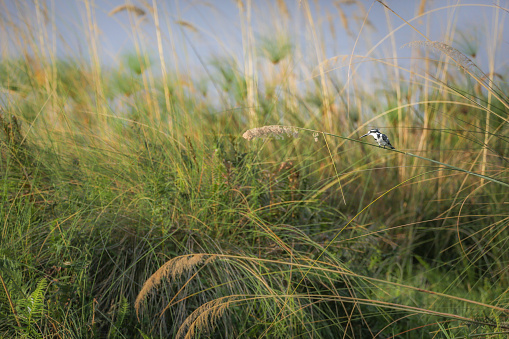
(132, 207)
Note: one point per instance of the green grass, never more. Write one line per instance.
(132, 207)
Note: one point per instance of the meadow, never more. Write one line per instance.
(133, 207)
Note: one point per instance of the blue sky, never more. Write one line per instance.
(215, 28)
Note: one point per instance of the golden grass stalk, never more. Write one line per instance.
(283, 9)
(11, 304)
(188, 25)
(466, 65)
(240, 4)
(204, 317)
(249, 58)
(462, 61)
(334, 268)
(422, 7)
(277, 131)
(343, 18)
(327, 113)
(162, 61)
(171, 269)
(129, 8)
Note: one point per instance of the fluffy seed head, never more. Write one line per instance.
(271, 131)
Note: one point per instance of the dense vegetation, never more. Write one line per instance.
(132, 207)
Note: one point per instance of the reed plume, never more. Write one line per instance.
(171, 269)
(129, 8)
(462, 61)
(205, 316)
(271, 131)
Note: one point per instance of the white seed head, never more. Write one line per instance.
(275, 131)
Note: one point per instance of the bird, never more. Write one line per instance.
(381, 138)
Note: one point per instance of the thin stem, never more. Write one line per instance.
(10, 300)
(454, 168)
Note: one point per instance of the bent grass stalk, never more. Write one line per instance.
(204, 317)
(11, 304)
(337, 235)
(276, 131)
(333, 269)
(207, 313)
(461, 60)
(199, 319)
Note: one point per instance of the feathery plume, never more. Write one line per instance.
(271, 131)
(187, 25)
(173, 268)
(204, 317)
(461, 60)
(130, 8)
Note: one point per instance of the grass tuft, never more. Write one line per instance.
(136, 202)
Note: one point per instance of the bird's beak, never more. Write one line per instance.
(364, 135)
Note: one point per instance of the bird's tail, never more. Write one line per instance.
(392, 147)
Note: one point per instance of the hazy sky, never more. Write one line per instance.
(198, 30)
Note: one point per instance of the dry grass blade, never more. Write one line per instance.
(343, 17)
(129, 8)
(204, 317)
(283, 9)
(468, 66)
(461, 60)
(173, 268)
(187, 25)
(422, 7)
(139, 147)
(13, 308)
(240, 4)
(347, 2)
(338, 62)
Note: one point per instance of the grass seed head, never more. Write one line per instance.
(271, 131)
(173, 268)
(461, 60)
(129, 8)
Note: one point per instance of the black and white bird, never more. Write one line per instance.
(381, 138)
